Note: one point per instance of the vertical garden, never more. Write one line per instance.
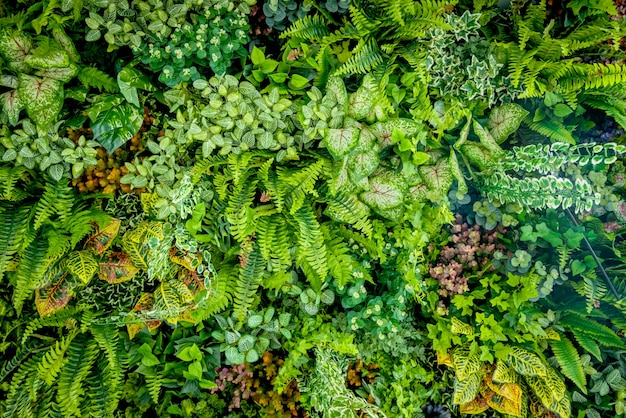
(296, 208)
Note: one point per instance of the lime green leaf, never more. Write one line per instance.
(82, 264)
(569, 360)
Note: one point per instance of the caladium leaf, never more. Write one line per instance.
(82, 264)
(46, 58)
(438, 177)
(337, 90)
(504, 120)
(8, 80)
(11, 106)
(458, 175)
(339, 142)
(487, 140)
(102, 239)
(360, 103)
(364, 164)
(366, 141)
(477, 154)
(384, 193)
(57, 294)
(340, 179)
(144, 304)
(66, 42)
(116, 267)
(384, 130)
(15, 46)
(63, 74)
(42, 97)
(114, 121)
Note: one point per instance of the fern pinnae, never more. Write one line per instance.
(93, 77)
(81, 355)
(569, 361)
(30, 271)
(250, 277)
(54, 359)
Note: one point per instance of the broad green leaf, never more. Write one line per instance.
(116, 267)
(102, 239)
(562, 110)
(57, 294)
(504, 120)
(129, 80)
(116, 122)
(477, 154)
(43, 98)
(339, 142)
(455, 168)
(487, 140)
(11, 106)
(384, 193)
(297, 82)
(82, 264)
(362, 165)
(257, 56)
(366, 141)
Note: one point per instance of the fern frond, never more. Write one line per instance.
(366, 55)
(301, 183)
(564, 255)
(349, 209)
(309, 28)
(56, 319)
(588, 344)
(250, 277)
(552, 129)
(81, 355)
(220, 292)
(21, 396)
(54, 359)
(239, 208)
(591, 76)
(58, 199)
(569, 360)
(154, 381)
(586, 326)
(274, 237)
(311, 250)
(93, 77)
(340, 263)
(103, 398)
(108, 339)
(13, 225)
(9, 177)
(9, 366)
(30, 271)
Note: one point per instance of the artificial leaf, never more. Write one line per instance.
(102, 239)
(362, 165)
(438, 177)
(57, 294)
(82, 264)
(504, 120)
(11, 105)
(116, 267)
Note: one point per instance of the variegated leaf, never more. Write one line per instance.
(11, 105)
(465, 364)
(466, 390)
(438, 177)
(360, 103)
(102, 239)
(487, 140)
(144, 304)
(383, 131)
(383, 194)
(336, 88)
(504, 374)
(15, 46)
(170, 300)
(50, 58)
(367, 140)
(116, 267)
(476, 406)
(339, 142)
(57, 294)
(460, 327)
(63, 74)
(525, 363)
(82, 264)
(185, 259)
(504, 120)
(43, 98)
(364, 164)
(192, 280)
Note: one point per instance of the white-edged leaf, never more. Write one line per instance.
(504, 120)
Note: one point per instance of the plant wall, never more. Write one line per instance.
(384, 208)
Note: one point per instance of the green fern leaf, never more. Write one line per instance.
(250, 277)
(81, 355)
(54, 359)
(584, 325)
(93, 77)
(588, 344)
(569, 360)
(12, 228)
(30, 272)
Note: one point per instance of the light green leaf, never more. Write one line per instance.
(43, 98)
(11, 105)
(504, 120)
(362, 165)
(339, 142)
(383, 194)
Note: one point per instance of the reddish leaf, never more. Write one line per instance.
(101, 240)
(185, 259)
(476, 406)
(57, 294)
(116, 267)
(191, 279)
(144, 303)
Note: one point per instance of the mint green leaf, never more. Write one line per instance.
(257, 56)
(504, 120)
